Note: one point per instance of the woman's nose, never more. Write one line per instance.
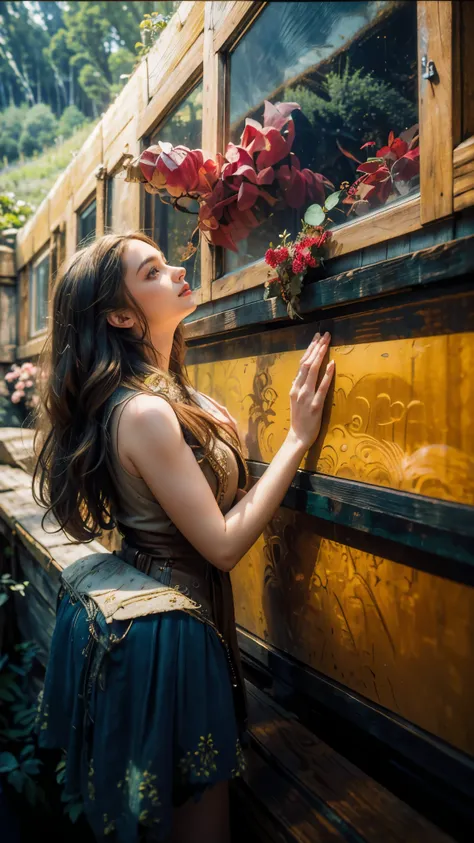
(179, 274)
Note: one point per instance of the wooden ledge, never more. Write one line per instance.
(298, 788)
(449, 260)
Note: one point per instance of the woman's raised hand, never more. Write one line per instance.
(307, 402)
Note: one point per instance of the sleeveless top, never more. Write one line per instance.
(140, 518)
(152, 543)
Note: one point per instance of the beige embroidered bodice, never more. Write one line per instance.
(141, 519)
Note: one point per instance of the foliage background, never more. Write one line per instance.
(61, 64)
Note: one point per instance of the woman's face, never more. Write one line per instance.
(156, 286)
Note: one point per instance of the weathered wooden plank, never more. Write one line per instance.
(45, 583)
(35, 619)
(123, 112)
(41, 230)
(16, 502)
(232, 19)
(31, 347)
(58, 198)
(435, 43)
(290, 817)
(16, 447)
(8, 306)
(24, 243)
(185, 27)
(173, 88)
(406, 739)
(466, 54)
(213, 110)
(13, 478)
(447, 260)
(348, 795)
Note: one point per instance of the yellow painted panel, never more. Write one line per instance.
(400, 637)
(401, 413)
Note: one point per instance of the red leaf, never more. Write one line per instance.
(277, 115)
(222, 237)
(391, 138)
(275, 149)
(369, 143)
(266, 176)
(347, 153)
(370, 166)
(248, 195)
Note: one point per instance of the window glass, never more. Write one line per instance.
(87, 224)
(170, 228)
(352, 67)
(39, 288)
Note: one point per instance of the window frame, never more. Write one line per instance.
(435, 31)
(44, 254)
(92, 200)
(210, 33)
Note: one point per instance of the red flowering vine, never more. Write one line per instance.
(291, 260)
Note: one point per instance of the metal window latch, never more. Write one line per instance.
(428, 68)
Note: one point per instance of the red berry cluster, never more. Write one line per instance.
(274, 257)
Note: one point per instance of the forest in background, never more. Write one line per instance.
(62, 63)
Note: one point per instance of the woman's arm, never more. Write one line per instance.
(153, 440)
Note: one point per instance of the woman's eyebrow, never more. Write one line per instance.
(149, 259)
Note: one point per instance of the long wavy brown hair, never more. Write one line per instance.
(84, 360)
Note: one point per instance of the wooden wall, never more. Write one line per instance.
(360, 590)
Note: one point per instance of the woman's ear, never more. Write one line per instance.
(120, 319)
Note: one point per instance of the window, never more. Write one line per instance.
(109, 203)
(170, 228)
(119, 196)
(86, 224)
(352, 67)
(38, 293)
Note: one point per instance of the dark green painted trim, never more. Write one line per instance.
(409, 316)
(290, 677)
(453, 259)
(425, 533)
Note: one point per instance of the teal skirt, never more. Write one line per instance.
(145, 712)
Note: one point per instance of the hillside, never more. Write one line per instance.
(33, 180)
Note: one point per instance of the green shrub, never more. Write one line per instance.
(39, 130)
(70, 120)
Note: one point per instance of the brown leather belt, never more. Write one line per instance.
(190, 577)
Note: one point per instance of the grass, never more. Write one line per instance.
(32, 180)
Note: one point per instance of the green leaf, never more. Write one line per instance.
(17, 779)
(32, 766)
(74, 811)
(314, 215)
(3, 599)
(8, 762)
(6, 696)
(27, 750)
(332, 200)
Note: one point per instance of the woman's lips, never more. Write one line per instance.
(186, 293)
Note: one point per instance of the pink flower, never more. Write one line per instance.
(11, 376)
(16, 397)
(29, 383)
(20, 386)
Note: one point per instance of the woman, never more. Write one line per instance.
(150, 705)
